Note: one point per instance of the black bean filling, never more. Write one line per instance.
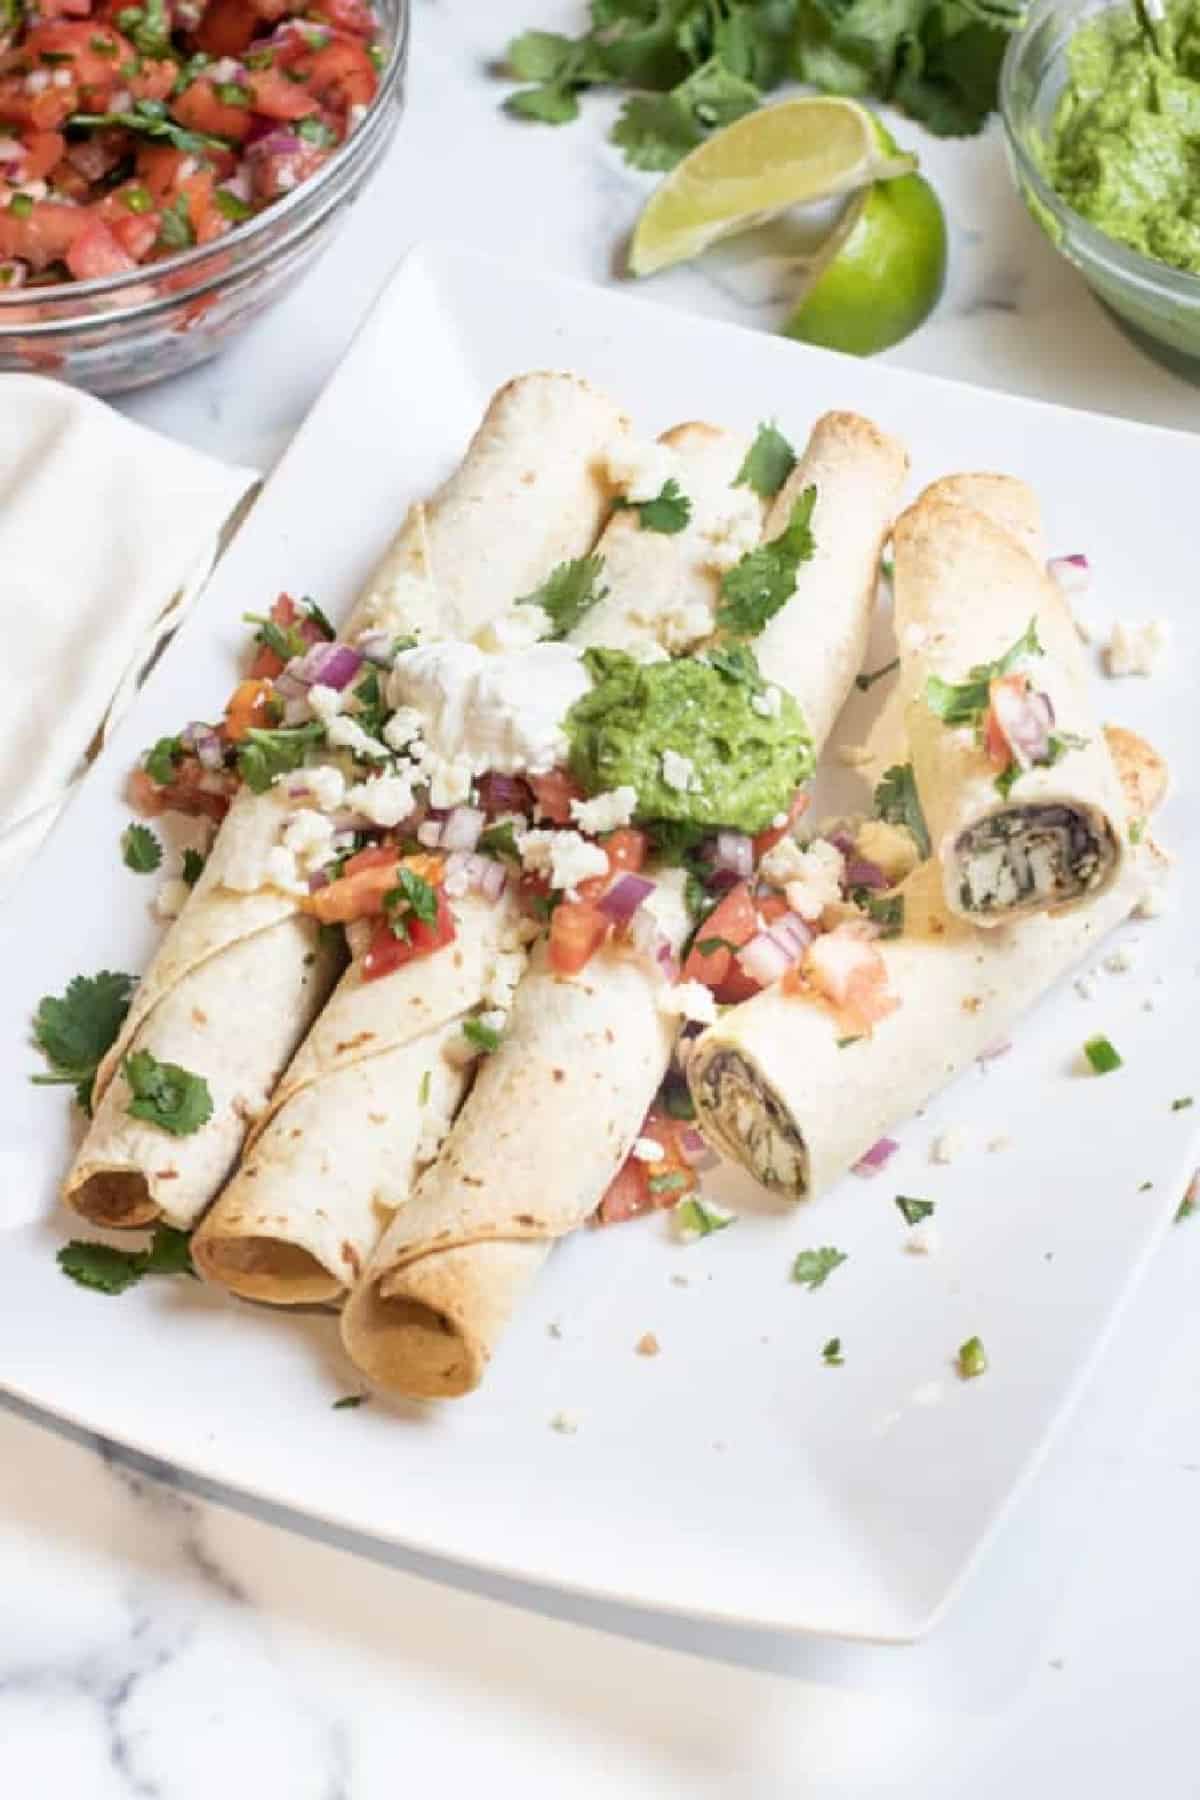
(1031, 856)
(753, 1121)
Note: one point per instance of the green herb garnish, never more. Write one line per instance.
(110, 1271)
(348, 1402)
(484, 1037)
(316, 131)
(913, 1210)
(886, 910)
(972, 1359)
(264, 754)
(831, 1353)
(500, 841)
(695, 1219)
(1182, 1104)
(668, 512)
(149, 118)
(412, 898)
(20, 206)
(193, 867)
(231, 206)
(160, 762)
(175, 225)
(812, 1268)
(140, 849)
(768, 462)
(569, 593)
(965, 702)
(898, 803)
(755, 589)
(166, 1095)
(1101, 1055)
(75, 1030)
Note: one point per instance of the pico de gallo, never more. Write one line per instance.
(129, 133)
(372, 840)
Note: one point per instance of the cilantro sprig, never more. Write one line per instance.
(568, 593)
(110, 1271)
(140, 849)
(74, 1031)
(768, 462)
(150, 119)
(755, 589)
(668, 512)
(265, 753)
(965, 702)
(412, 898)
(812, 1268)
(898, 803)
(166, 1095)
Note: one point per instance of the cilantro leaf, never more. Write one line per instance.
(812, 1268)
(831, 1353)
(74, 1031)
(166, 1095)
(549, 104)
(500, 841)
(768, 462)
(159, 762)
(913, 1210)
(755, 589)
(110, 1271)
(140, 849)
(657, 131)
(1101, 1055)
(696, 1218)
(175, 225)
(263, 754)
(965, 702)
(972, 1359)
(193, 866)
(349, 1401)
(668, 512)
(898, 803)
(568, 593)
(737, 662)
(412, 898)
(541, 56)
(285, 640)
(148, 27)
(1006, 780)
(149, 118)
(484, 1037)
(886, 910)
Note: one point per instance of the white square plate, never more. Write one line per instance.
(733, 1475)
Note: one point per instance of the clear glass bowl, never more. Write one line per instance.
(129, 330)
(1161, 304)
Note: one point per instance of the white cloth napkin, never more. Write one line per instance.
(107, 532)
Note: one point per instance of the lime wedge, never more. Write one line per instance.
(758, 167)
(879, 273)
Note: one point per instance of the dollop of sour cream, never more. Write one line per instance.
(503, 710)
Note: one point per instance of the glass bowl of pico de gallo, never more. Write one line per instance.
(169, 169)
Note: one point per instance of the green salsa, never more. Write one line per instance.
(1124, 146)
(703, 745)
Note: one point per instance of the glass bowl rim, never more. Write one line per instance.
(282, 212)
(1123, 261)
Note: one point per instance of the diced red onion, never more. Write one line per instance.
(695, 1149)
(274, 143)
(876, 1158)
(622, 899)
(734, 850)
(476, 874)
(1073, 573)
(667, 961)
(720, 881)
(1026, 720)
(377, 647)
(646, 937)
(203, 740)
(462, 829)
(841, 840)
(327, 665)
(503, 794)
(296, 710)
(764, 959)
(792, 933)
(859, 871)
(227, 68)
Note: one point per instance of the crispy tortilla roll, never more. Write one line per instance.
(241, 975)
(1017, 785)
(375, 1086)
(774, 1091)
(557, 1108)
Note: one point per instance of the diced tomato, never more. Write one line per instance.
(200, 108)
(673, 1177)
(43, 236)
(375, 856)
(44, 111)
(227, 27)
(767, 840)
(97, 253)
(62, 9)
(626, 851)
(93, 53)
(267, 662)
(160, 167)
(577, 930)
(278, 98)
(554, 793)
(137, 233)
(153, 80)
(845, 968)
(192, 790)
(341, 75)
(1004, 693)
(736, 921)
(274, 173)
(206, 222)
(251, 706)
(389, 952)
(43, 149)
(353, 16)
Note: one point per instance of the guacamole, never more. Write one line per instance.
(704, 742)
(1124, 146)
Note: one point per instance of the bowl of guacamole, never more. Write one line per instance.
(1103, 132)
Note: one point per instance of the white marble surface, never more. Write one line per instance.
(164, 1641)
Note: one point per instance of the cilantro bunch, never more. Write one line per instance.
(696, 65)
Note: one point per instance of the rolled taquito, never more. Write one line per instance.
(556, 1109)
(240, 975)
(776, 1087)
(373, 1089)
(1016, 782)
